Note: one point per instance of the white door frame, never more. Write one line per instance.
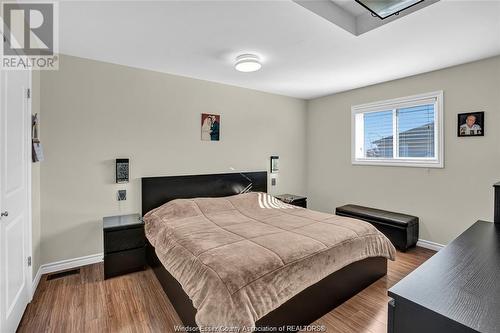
(29, 234)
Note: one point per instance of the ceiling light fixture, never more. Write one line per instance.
(247, 63)
(385, 8)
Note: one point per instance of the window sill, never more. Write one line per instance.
(401, 163)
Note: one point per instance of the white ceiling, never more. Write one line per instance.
(303, 54)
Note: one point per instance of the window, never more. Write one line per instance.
(384, 9)
(404, 131)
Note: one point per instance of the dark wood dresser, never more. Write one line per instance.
(124, 244)
(457, 290)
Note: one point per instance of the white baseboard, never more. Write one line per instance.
(429, 245)
(71, 263)
(64, 265)
(36, 281)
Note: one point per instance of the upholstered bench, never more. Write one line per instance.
(401, 229)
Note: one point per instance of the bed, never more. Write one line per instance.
(229, 256)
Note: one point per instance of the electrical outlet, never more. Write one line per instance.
(273, 181)
(122, 195)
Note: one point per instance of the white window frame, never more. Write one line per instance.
(435, 97)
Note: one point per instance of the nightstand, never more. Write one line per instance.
(124, 244)
(295, 200)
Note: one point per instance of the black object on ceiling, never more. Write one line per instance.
(386, 8)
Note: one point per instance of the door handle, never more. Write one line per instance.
(4, 214)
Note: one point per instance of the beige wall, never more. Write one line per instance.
(35, 182)
(94, 112)
(446, 200)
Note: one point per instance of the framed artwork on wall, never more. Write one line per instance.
(122, 170)
(210, 127)
(470, 124)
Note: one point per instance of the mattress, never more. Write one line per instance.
(240, 257)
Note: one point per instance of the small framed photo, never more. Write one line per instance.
(471, 124)
(122, 170)
(210, 127)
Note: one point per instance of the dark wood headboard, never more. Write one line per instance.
(158, 190)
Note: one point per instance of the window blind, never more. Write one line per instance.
(378, 134)
(416, 131)
(406, 131)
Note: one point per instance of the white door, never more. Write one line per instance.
(15, 276)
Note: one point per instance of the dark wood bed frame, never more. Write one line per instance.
(302, 309)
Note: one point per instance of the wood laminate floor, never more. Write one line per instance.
(136, 302)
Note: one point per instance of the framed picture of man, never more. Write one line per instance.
(471, 124)
(210, 127)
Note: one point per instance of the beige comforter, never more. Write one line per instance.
(240, 257)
